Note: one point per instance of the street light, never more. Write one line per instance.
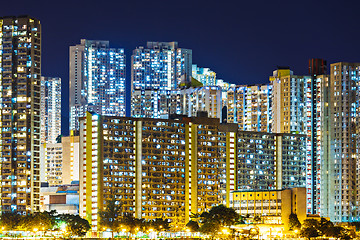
(35, 230)
(225, 231)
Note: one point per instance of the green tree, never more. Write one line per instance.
(75, 225)
(10, 220)
(347, 234)
(243, 218)
(133, 224)
(159, 224)
(325, 227)
(310, 228)
(294, 222)
(334, 232)
(210, 228)
(78, 226)
(110, 217)
(309, 233)
(218, 217)
(42, 221)
(193, 226)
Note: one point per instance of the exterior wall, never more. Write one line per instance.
(66, 160)
(164, 168)
(344, 94)
(204, 75)
(206, 99)
(64, 199)
(250, 107)
(258, 203)
(53, 163)
(160, 66)
(156, 103)
(289, 99)
(50, 109)
(97, 80)
(268, 161)
(74, 157)
(20, 115)
(273, 206)
(58, 166)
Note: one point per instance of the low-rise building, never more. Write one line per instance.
(272, 206)
(60, 161)
(64, 199)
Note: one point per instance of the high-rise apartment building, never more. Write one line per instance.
(156, 104)
(50, 109)
(288, 101)
(60, 161)
(97, 80)
(158, 72)
(160, 66)
(204, 75)
(158, 168)
(270, 160)
(251, 107)
(190, 101)
(20, 80)
(344, 134)
(202, 99)
(225, 86)
(300, 105)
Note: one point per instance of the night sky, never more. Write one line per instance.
(242, 41)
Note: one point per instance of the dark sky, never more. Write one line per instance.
(242, 41)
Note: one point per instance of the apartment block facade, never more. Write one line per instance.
(156, 104)
(50, 109)
(251, 107)
(97, 80)
(160, 66)
(204, 75)
(172, 168)
(20, 60)
(344, 135)
(274, 206)
(60, 161)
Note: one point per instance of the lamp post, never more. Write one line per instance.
(35, 230)
(188, 232)
(124, 232)
(225, 231)
(2, 230)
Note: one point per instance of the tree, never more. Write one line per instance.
(42, 221)
(294, 222)
(310, 228)
(111, 216)
(159, 224)
(193, 226)
(334, 232)
(75, 225)
(243, 218)
(346, 233)
(218, 217)
(210, 228)
(78, 226)
(10, 220)
(325, 227)
(309, 232)
(134, 224)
